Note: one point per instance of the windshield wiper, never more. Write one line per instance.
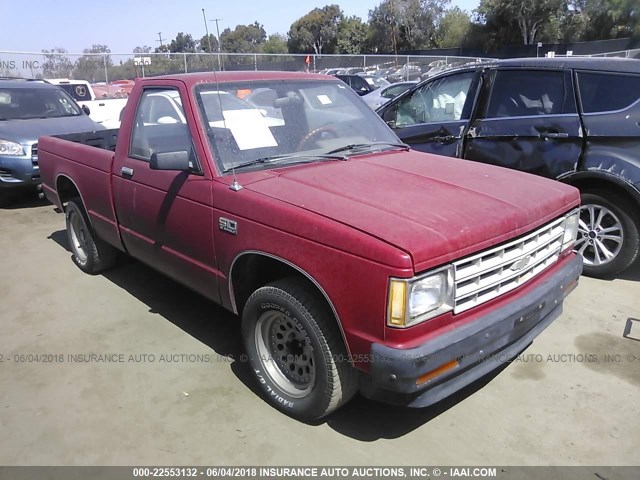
(367, 146)
(276, 159)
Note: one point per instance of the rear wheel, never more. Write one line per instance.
(90, 253)
(296, 351)
(608, 236)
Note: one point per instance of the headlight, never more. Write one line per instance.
(415, 300)
(10, 148)
(570, 229)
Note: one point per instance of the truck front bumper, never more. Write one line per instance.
(424, 375)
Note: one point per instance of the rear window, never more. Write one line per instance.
(79, 92)
(604, 92)
(520, 93)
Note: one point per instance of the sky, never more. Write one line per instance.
(123, 25)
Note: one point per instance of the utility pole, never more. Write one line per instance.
(160, 39)
(219, 42)
(206, 28)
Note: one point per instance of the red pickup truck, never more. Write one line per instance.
(353, 262)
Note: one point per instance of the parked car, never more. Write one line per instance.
(357, 83)
(105, 111)
(382, 95)
(354, 263)
(350, 71)
(29, 109)
(576, 120)
(409, 71)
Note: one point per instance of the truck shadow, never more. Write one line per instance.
(361, 419)
(368, 421)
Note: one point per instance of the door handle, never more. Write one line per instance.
(444, 139)
(554, 135)
(126, 172)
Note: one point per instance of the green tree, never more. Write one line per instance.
(352, 36)
(94, 64)
(56, 63)
(276, 43)
(208, 44)
(405, 24)
(453, 29)
(182, 43)
(317, 31)
(528, 16)
(606, 19)
(243, 38)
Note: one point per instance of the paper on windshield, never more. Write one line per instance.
(324, 99)
(249, 128)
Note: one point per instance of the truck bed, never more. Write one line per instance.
(105, 139)
(82, 162)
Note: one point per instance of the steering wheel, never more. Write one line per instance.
(314, 135)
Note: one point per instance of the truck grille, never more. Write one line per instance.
(491, 273)
(34, 154)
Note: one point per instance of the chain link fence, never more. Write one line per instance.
(109, 67)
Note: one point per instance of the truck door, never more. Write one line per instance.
(166, 216)
(527, 120)
(433, 117)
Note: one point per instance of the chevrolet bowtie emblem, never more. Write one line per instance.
(520, 264)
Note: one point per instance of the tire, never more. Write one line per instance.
(293, 320)
(91, 254)
(608, 236)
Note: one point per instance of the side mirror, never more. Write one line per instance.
(170, 161)
(86, 110)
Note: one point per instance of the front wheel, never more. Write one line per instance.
(608, 236)
(296, 351)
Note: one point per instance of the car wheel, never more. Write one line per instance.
(608, 236)
(296, 351)
(90, 253)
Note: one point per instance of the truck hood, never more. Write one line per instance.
(434, 208)
(28, 131)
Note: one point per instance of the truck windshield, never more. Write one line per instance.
(249, 123)
(28, 103)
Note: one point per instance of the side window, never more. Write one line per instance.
(519, 93)
(440, 100)
(604, 92)
(160, 125)
(394, 90)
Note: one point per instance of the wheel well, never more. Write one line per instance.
(592, 184)
(252, 271)
(66, 189)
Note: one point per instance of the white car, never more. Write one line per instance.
(382, 95)
(105, 111)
